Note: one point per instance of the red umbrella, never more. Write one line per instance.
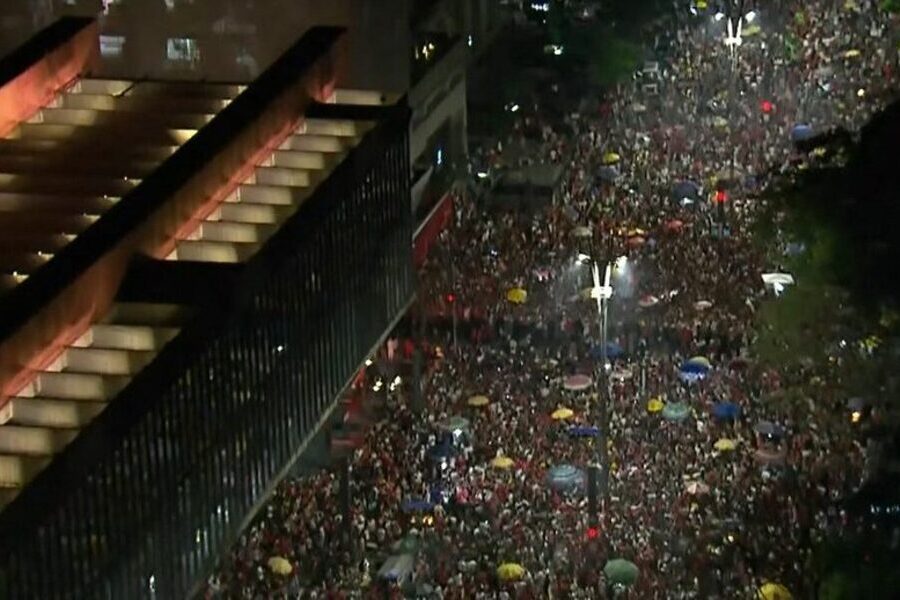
(674, 225)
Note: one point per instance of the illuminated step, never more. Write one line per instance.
(283, 176)
(90, 117)
(53, 412)
(104, 361)
(12, 241)
(96, 205)
(316, 143)
(303, 160)
(275, 195)
(126, 337)
(216, 252)
(246, 212)
(23, 262)
(143, 103)
(11, 280)
(232, 231)
(35, 441)
(74, 386)
(178, 89)
(335, 127)
(132, 132)
(45, 223)
(110, 87)
(19, 470)
(362, 97)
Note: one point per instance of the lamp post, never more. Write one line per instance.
(602, 293)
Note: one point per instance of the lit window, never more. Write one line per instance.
(183, 50)
(111, 45)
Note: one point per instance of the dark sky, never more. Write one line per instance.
(229, 39)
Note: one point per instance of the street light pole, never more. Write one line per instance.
(602, 294)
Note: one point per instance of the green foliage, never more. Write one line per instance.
(604, 57)
(891, 6)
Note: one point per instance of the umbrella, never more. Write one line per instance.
(583, 431)
(852, 53)
(696, 488)
(675, 225)
(703, 305)
(517, 296)
(411, 505)
(655, 405)
(503, 463)
(701, 361)
(621, 374)
(577, 383)
(454, 424)
(769, 429)
(280, 565)
(676, 411)
(725, 445)
(565, 477)
(648, 301)
(582, 232)
(561, 414)
(686, 189)
(636, 241)
(510, 572)
(752, 30)
(620, 571)
(726, 411)
(773, 279)
(608, 174)
(611, 158)
(441, 451)
(478, 401)
(720, 122)
(774, 591)
(802, 132)
(636, 232)
(613, 350)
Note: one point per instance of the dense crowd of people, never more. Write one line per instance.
(698, 518)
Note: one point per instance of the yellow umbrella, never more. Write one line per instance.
(852, 53)
(701, 360)
(655, 405)
(702, 5)
(725, 445)
(280, 565)
(510, 571)
(478, 401)
(502, 462)
(774, 591)
(582, 232)
(636, 231)
(561, 414)
(517, 296)
(752, 30)
(611, 158)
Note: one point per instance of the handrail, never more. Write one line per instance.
(38, 69)
(78, 283)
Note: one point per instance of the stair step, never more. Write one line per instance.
(334, 127)
(126, 337)
(86, 117)
(274, 195)
(54, 413)
(217, 252)
(23, 262)
(74, 386)
(246, 212)
(296, 159)
(35, 441)
(315, 143)
(17, 471)
(231, 231)
(103, 361)
(283, 176)
(142, 314)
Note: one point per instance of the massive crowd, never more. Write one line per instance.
(697, 519)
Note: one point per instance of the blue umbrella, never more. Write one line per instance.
(691, 366)
(686, 189)
(609, 174)
(441, 451)
(565, 478)
(802, 132)
(726, 411)
(583, 431)
(411, 505)
(613, 350)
